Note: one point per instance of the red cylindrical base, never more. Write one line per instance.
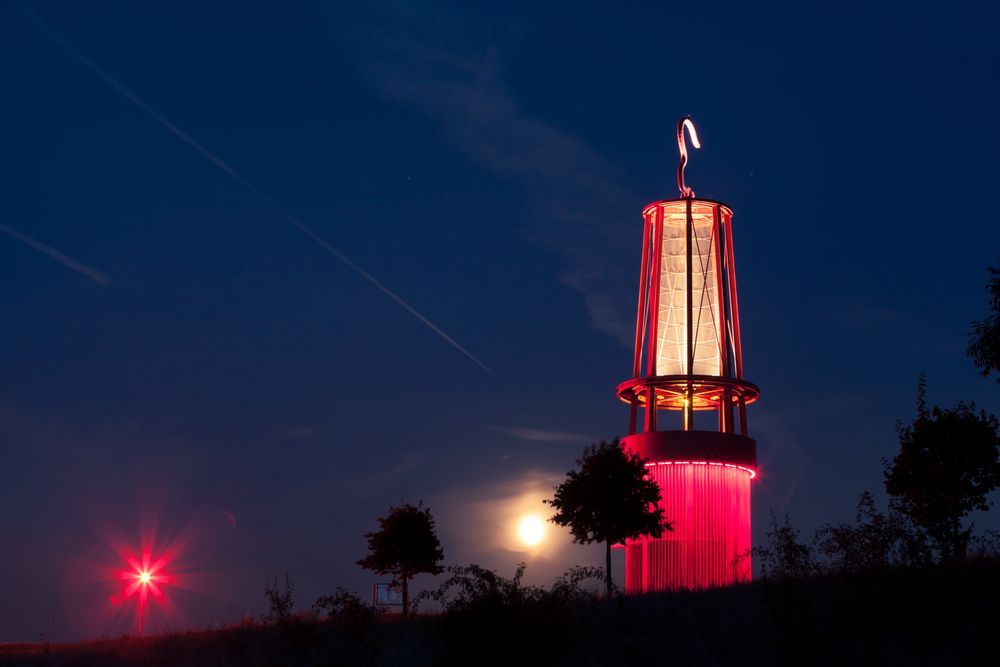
(708, 502)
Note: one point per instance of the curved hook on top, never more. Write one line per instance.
(685, 122)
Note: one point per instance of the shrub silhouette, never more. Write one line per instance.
(569, 586)
(784, 556)
(344, 605)
(358, 620)
(471, 588)
(492, 619)
(875, 541)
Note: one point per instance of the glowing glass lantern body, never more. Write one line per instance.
(689, 363)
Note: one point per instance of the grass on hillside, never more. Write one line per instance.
(891, 617)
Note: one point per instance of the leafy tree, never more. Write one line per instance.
(405, 545)
(609, 499)
(947, 465)
(984, 344)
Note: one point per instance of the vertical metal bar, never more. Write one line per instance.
(688, 408)
(689, 343)
(650, 409)
(645, 546)
(743, 416)
(656, 268)
(640, 318)
(733, 300)
(688, 233)
(725, 406)
(727, 410)
(720, 292)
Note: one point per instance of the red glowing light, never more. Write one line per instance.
(709, 505)
(144, 577)
(750, 471)
(149, 580)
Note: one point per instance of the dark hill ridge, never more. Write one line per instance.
(896, 617)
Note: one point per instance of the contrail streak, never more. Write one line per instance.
(68, 262)
(239, 178)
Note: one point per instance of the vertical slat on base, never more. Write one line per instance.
(709, 506)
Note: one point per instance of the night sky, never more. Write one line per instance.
(174, 347)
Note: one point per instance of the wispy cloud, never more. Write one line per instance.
(450, 69)
(539, 435)
(52, 253)
(238, 177)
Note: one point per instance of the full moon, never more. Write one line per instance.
(531, 530)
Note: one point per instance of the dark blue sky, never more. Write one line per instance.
(489, 165)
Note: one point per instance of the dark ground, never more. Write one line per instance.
(897, 617)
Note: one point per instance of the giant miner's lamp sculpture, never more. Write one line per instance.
(688, 369)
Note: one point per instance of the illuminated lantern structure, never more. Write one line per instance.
(687, 395)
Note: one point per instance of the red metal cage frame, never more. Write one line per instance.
(688, 392)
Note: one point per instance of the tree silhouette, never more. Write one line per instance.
(405, 545)
(946, 466)
(984, 344)
(609, 499)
